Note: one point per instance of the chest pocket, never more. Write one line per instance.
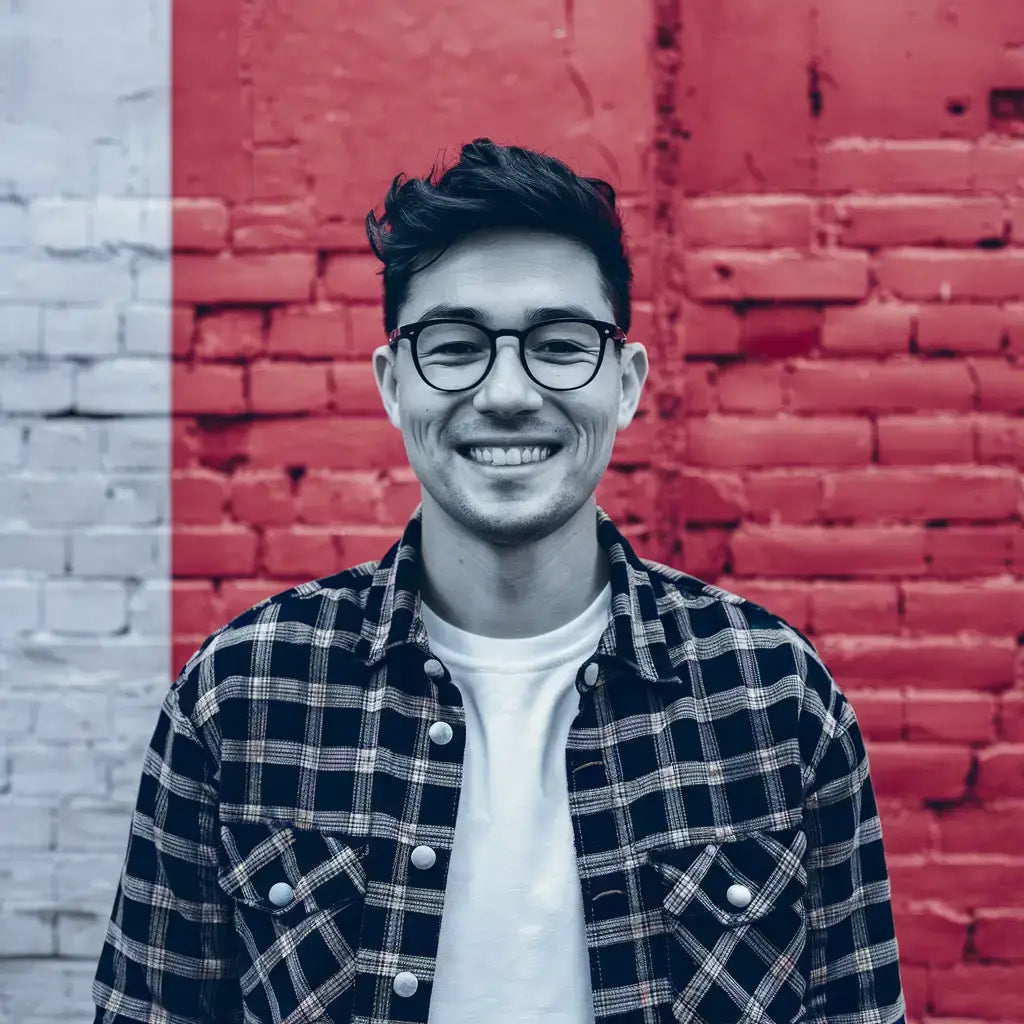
(298, 906)
(736, 927)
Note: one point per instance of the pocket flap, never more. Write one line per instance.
(766, 866)
(322, 870)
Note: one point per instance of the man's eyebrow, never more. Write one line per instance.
(443, 310)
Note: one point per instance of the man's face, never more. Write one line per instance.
(505, 274)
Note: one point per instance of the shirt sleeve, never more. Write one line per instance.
(169, 952)
(854, 974)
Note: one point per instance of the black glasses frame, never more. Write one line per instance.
(605, 330)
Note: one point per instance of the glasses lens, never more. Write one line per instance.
(454, 356)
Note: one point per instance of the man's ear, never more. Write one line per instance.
(634, 370)
(385, 373)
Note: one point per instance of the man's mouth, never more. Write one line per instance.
(508, 458)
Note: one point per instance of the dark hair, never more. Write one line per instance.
(496, 186)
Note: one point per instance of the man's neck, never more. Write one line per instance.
(511, 592)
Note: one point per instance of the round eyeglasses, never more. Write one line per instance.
(456, 355)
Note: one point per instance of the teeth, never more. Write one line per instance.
(509, 456)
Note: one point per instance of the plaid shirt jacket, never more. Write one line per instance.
(315, 741)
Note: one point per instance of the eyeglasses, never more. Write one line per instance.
(456, 355)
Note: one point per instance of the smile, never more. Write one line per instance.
(507, 459)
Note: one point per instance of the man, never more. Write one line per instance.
(512, 772)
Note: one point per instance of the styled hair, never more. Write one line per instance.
(495, 186)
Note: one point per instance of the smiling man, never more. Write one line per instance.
(510, 772)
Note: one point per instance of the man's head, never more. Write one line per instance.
(506, 239)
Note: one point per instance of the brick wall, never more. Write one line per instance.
(825, 205)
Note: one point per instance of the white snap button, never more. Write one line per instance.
(739, 895)
(590, 674)
(423, 857)
(405, 983)
(440, 732)
(433, 667)
(280, 894)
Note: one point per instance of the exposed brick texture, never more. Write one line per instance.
(829, 260)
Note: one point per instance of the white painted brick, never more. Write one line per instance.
(126, 773)
(86, 881)
(147, 330)
(81, 934)
(56, 771)
(112, 552)
(26, 932)
(149, 607)
(94, 277)
(85, 608)
(65, 445)
(137, 222)
(86, 661)
(34, 386)
(41, 160)
(80, 331)
(64, 225)
(124, 386)
(37, 551)
(137, 501)
(19, 712)
(26, 826)
(64, 500)
(78, 715)
(135, 719)
(152, 280)
(14, 225)
(12, 445)
(93, 826)
(138, 443)
(20, 606)
(20, 330)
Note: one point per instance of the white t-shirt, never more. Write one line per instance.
(513, 947)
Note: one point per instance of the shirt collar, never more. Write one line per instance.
(635, 638)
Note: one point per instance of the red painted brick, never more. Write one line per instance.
(1015, 206)
(1000, 385)
(781, 330)
(278, 173)
(932, 663)
(925, 273)
(874, 327)
(787, 600)
(960, 881)
(784, 276)
(924, 440)
(310, 332)
(326, 497)
(199, 225)
(258, 278)
(992, 607)
(709, 497)
(960, 328)
(960, 827)
(705, 552)
(951, 717)
(262, 498)
(328, 442)
(699, 388)
(1000, 439)
(807, 551)
(932, 771)
(879, 715)
(308, 551)
(271, 227)
(230, 334)
(912, 165)
(366, 331)
(750, 387)
(241, 595)
(366, 543)
(956, 551)
(283, 387)
(183, 321)
(979, 990)
(641, 440)
(214, 551)
(203, 388)
(195, 607)
(221, 445)
(783, 496)
(401, 491)
(354, 388)
(918, 220)
(198, 496)
(709, 330)
(352, 277)
(733, 441)
(1000, 772)
(922, 493)
(183, 647)
(998, 165)
(930, 934)
(999, 932)
(747, 221)
(1014, 337)
(899, 384)
(854, 608)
